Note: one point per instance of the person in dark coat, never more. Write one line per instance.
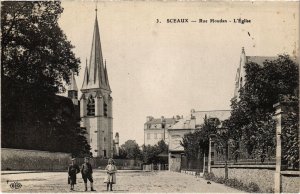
(86, 172)
(72, 171)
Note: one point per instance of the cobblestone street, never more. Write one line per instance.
(140, 182)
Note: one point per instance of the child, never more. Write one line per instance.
(86, 172)
(72, 171)
(111, 170)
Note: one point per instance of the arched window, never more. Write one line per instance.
(91, 106)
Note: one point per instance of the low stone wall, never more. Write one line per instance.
(122, 164)
(18, 159)
(262, 175)
(290, 182)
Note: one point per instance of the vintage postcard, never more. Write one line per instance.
(149, 96)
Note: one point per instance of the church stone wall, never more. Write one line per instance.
(19, 159)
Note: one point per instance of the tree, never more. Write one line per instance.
(80, 147)
(196, 144)
(36, 57)
(132, 150)
(251, 121)
(34, 48)
(162, 147)
(122, 154)
(290, 134)
(150, 154)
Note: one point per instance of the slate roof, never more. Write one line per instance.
(72, 85)
(220, 114)
(260, 59)
(159, 121)
(198, 119)
(95, 74)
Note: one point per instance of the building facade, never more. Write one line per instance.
(96, 101)
(116, 147)
(241, 73)
(156, 129)
(188, 125)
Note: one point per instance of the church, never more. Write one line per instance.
(95, 102)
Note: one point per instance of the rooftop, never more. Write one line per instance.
(159, 121)
(197, 118)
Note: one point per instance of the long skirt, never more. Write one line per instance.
(110, 178)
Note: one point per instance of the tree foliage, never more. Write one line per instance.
(196, 144)
(131, 148)
(290, 134)
(150, 154)
(251, 121)
(35, 59)
(34, 48)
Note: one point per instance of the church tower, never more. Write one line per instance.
(117, 146)
(240, 75)
(72, 89)
(96, 101)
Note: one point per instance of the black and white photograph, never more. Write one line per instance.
(107, 96)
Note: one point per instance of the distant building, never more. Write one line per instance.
(156, 129)
(73, 90)
(241, 73)
(184, 126)
(116, 145)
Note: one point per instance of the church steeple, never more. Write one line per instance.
(72, 86)
(96, 101)
(72, 89)
(96, 75)
(86, 77)
(106, 76)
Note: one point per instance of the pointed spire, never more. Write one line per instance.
(96, 76)
(96, 9)
(86, 77)
(106, 76)
(72, 86)
(243, 50)
(96, 66)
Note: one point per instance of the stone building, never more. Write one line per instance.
(184, 126)
(241, 73)
(156, 129)
(73, 90)
(116, 147)
(95, 105)
(96, 101)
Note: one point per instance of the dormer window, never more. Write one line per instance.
(91, 106)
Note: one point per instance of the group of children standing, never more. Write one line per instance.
(87, 171)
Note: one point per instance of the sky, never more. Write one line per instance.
(167, 69)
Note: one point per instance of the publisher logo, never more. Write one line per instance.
(15, 185)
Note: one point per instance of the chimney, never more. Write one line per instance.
(149, 118)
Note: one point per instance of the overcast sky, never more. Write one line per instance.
(167, 69)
